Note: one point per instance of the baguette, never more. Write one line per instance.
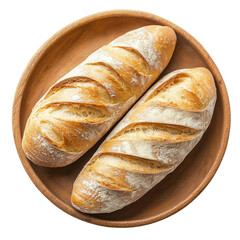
(149, 143)
(83, 105)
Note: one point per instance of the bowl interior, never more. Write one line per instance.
(65, 51)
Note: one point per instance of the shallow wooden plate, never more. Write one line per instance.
(67, 49)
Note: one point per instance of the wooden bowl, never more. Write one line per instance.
(67, 49)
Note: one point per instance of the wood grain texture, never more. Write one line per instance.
(62, 53)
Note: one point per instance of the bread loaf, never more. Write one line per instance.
(82, 106)
(148, 143)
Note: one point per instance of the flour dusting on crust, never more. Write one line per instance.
(143, 41)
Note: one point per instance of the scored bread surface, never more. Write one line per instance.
(82, 106)
(149, 143)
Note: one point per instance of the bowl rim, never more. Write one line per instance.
(16, 117)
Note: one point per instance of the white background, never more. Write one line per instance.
(25, 213)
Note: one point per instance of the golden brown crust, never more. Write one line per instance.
(149, 142)
(82, 106)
